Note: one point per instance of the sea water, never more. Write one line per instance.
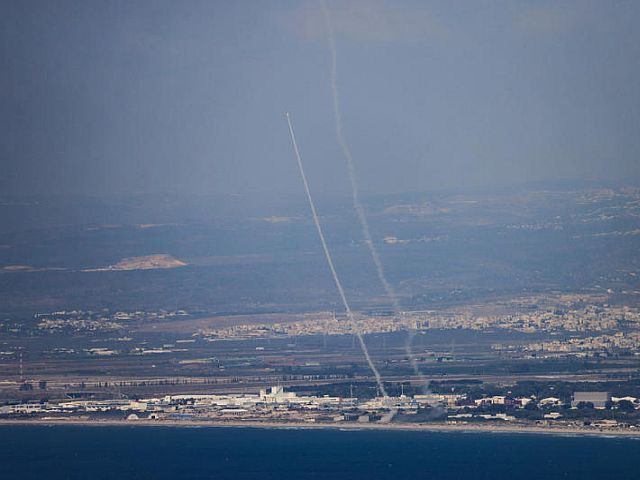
(157, 452)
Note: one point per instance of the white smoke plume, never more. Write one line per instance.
(355, 193)
(327, 255)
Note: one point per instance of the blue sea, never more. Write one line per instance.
(139, 452)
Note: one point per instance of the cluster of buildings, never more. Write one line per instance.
(588, 346)
(276, 404)
(102, 321)
(593, 318)
(590, 318)
(319, 324)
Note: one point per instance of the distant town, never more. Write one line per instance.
(586, 410)
(516, 309)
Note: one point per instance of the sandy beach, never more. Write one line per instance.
(424, 427)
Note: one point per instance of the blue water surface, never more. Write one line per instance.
(139, 452)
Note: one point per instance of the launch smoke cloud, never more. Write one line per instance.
(327, 254)
(355, 195)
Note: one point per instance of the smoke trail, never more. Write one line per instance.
(327, 255)
(355, 194)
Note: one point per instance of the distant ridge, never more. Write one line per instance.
(17, 268)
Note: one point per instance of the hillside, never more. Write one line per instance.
(148, 262)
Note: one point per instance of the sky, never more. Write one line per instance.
(121, 97)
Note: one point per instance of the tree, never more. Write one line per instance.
(625, 406)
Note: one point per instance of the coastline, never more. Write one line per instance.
(419, 427)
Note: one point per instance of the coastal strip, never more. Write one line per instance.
(421, 427)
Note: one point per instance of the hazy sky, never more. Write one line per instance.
(143, 96)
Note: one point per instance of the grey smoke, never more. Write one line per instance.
(327, 255)
(355, 194)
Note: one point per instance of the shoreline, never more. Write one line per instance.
(419, 427)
